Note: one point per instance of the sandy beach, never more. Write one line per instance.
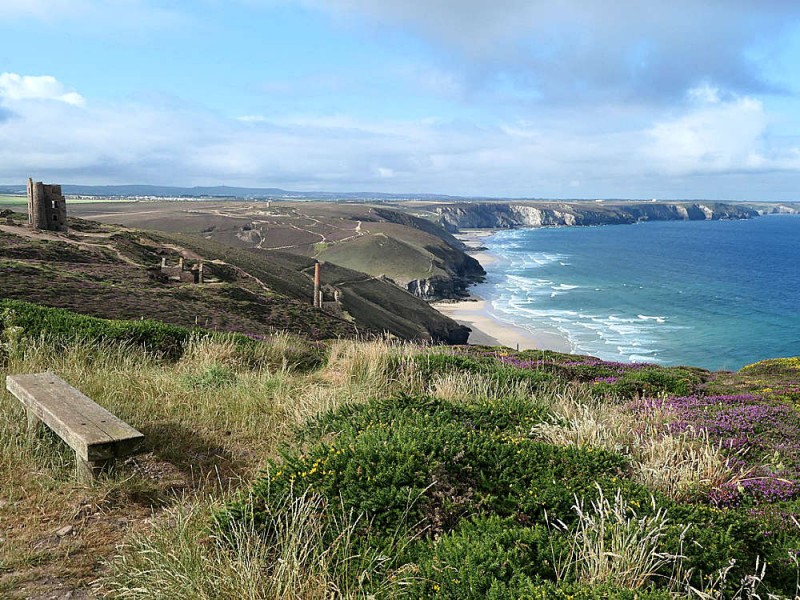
(473, 240)
(476, 313)
(487, 330)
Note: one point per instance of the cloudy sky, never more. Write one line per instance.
(505, 98)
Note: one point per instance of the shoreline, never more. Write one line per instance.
(488, 330)
(475, 312)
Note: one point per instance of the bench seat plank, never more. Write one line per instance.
(94, 433)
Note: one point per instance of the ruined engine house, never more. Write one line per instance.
(47, 207)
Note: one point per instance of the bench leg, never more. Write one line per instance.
(34, 424)
(89, 470)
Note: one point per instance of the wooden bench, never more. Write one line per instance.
(97, 436)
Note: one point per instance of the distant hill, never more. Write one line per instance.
(224, 191)
(382, 240)
(219, 191)
(114, 272)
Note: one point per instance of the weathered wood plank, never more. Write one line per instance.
(94, 433)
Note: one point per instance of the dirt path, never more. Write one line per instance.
(56, 237)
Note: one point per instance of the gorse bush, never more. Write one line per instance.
(64, 328)
(476, 498)
(486, 556)
(386, 470)
(432, 364)
(651, 381)
(421, 465)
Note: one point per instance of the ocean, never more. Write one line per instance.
(713, 294)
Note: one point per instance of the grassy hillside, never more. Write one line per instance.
(112, 272)
(371, 469)
(369, 239)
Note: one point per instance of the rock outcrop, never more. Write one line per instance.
(500, 215)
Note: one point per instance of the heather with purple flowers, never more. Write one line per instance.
(759, 434)
(521, 363)
(767, 488)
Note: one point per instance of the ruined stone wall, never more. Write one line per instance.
(47, 207)
(181, 273)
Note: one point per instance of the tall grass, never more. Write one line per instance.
(377, 366)
(470, 387)
(210, 420)
(214, 415)
(611, 544)
(681, 465)
(299, 555)
(209, 399)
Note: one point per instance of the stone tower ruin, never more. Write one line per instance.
(47, 207)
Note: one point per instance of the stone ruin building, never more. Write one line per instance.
(47, 207)
(181, 273)
(326, 291)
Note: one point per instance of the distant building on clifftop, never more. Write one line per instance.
(47, 207)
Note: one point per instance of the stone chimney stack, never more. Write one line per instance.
(317, 293)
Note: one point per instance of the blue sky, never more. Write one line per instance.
(505, 98)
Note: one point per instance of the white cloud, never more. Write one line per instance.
(716, 137)
(174, 144)
(252, 119)
(704, 94)
(36, 87)
(584, 50)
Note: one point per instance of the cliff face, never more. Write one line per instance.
(491, 215)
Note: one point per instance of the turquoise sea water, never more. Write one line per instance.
(714, 294)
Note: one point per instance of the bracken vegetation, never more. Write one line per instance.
(283, 468)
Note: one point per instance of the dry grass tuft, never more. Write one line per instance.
(377, 366)
(210, 421)
(610, 543)
(681, 465)
(461, 387)
(290, 559)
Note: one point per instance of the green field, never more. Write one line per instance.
(6, 200)
(98, 200)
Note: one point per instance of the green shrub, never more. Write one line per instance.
(437, 364)
(485, 556)
(651, 381)
(63, 326)
(428, 463)
(214, 377)
(507, 415)
(715, 538)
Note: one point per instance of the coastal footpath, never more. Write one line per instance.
(509, 215)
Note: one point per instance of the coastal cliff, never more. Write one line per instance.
(502, 215)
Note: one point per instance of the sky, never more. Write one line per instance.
(504, 98)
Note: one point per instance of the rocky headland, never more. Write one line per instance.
(502, 215)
